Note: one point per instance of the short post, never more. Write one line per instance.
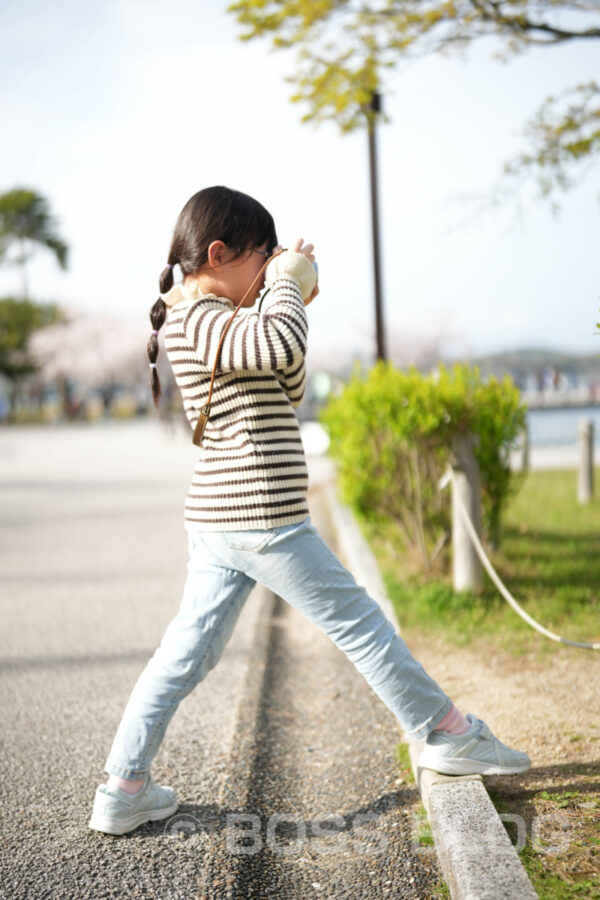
(585, 484)
(467, 571)
(525, 449)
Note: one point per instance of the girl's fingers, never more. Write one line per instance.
(307, 250)
(301, 247)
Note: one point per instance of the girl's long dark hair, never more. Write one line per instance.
(214, 214)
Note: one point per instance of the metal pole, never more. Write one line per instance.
(379, 327)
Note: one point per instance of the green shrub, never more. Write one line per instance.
(392, 434)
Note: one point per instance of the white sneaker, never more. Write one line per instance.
(116, 812)
(476, 752)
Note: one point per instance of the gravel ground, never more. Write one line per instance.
(92, 563)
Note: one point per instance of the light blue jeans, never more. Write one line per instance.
(294, 563)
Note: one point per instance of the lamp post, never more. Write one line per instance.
(375, 109)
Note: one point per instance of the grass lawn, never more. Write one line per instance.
(549, 559)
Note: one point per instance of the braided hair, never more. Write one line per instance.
(213, 214)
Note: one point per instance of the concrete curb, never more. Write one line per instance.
(475, 853)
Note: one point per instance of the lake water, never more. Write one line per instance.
(560, 426)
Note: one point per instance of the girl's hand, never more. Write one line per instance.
(305, 249)
(313, 295)
(308, 251)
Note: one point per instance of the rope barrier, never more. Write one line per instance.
(451, 477)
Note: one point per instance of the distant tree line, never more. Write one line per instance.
(26, 224)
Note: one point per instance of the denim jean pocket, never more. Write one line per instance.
(254, 541)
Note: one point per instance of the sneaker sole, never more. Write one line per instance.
(472, 767)
(123, 826)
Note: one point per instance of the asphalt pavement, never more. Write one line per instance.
(92, 564)
(93, 560)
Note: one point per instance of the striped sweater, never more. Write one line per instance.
(251, 472)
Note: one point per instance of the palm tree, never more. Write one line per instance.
(26, 220)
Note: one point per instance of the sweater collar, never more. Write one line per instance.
(181, 292)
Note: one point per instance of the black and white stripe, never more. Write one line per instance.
(251, 471)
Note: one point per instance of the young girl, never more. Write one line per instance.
(246, 512)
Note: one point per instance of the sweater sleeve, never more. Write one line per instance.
(293, 382)
(272, 340)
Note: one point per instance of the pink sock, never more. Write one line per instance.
(126, 784)
(454, 722)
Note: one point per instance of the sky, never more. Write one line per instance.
(119, 111)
